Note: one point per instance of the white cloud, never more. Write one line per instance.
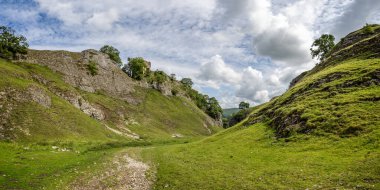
(261, 96)
(247, 84)
(355, 16)
(260, 45)
(216, 70)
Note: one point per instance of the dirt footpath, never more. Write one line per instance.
(124, 173)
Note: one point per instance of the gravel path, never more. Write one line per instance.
(125, 173)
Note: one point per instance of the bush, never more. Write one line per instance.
(243, 105)
(368, 29)
(113, 53)
(187, 82)
(160, 77)
(136, 68)
(92, 67)
(11, 45)
(209, 105)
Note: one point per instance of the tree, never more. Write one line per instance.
(159, 76)
(113, 53)
(322, 46)
(243, 105)
(214, 110)
(187, 82)
(136, 68)
(10, 44)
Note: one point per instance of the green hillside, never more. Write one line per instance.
(323, 133)
(27, 88)
(46, 140)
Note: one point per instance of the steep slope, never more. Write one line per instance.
(323, 133)
(52, 96)
(339, 96)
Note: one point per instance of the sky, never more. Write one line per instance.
(234, 50)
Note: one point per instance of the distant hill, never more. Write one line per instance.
(229, 112)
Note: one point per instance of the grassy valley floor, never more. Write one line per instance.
(252, 158)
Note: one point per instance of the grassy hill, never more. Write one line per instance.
(51, 130)
(35, 108)
(323, 133)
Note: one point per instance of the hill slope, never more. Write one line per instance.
(68, 103)
(323, 133)
(57, 120)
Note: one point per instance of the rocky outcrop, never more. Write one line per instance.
(326, 88)
(354, 45)
(39, 96)
(93, 71)
(74, 69)
(165, 88)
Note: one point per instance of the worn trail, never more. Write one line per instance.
(124, 173)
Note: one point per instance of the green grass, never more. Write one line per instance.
(27, 160)
(331, 123)
(330, 120)
(345, 105)
(252, 158)
(33, 166)
(157, 117)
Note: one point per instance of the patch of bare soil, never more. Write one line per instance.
(124, 173)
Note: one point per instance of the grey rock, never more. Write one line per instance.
(73, 67)
(39, 96)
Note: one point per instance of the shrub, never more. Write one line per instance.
(10, 44)
(92, 67)
(113, 53)
(243, 105)
(136, 68)
(187, 82)
(160, 77)
(368, 29)
(209, 105)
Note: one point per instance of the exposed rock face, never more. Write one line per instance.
(91, 110)
(165, 88)
(77, 101)
(73, 66)
(39, 96)
(108, 78)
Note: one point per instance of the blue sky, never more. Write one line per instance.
(245, 50)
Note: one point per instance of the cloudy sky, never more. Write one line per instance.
(235, 50)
